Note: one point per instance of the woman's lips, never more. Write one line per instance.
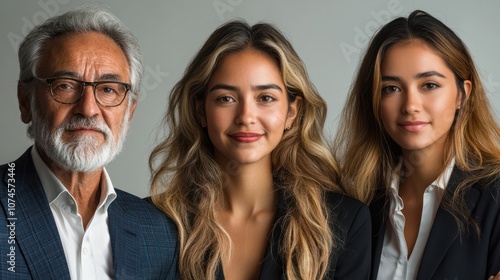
(246, 137)
(413, 126)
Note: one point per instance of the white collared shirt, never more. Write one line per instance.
(394, 261)
(87, 251)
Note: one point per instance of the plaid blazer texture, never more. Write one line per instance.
(143, 240)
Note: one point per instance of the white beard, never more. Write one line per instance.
(83, 154)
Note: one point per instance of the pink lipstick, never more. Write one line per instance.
(246, 137)
(413, 125)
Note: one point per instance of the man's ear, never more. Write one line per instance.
(200, 113)
(293, 110)
(23, 99)
(132, 109)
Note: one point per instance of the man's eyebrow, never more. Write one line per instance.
(65, 73)
(74, 75)
(110, 77)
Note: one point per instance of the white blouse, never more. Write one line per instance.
(394, 262)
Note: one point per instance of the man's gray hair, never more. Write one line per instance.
(88, 18)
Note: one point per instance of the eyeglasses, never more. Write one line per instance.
(70, 91)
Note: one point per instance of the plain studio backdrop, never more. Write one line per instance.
(330, 36)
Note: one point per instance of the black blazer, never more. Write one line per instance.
(447, 254)
(143, 240)
(351, 225)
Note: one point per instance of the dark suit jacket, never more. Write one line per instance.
(447, 255)
(143, 240)
(351, 224)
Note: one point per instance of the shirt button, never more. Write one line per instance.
(85, 251)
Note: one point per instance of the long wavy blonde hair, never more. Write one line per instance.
(187, 183)
(367, 153)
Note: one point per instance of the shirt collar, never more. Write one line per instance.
(55, 190)
(441, 182)
(396, 178)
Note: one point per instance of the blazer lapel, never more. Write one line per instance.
(124, 243)
(272, 267)
(37, 238)
(444, 229)
(379, 210)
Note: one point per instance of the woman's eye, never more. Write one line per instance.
(225, 99)
(267, 98)
(389, 89)
(430, 86)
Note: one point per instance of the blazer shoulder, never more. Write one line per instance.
(485, 189)
(4, 172)
(352, 227)
(490, 184)
(143, 239)
(347, 211)
(21, 173)
(4, 167)
(343, 203)
(134, 203)
(139, 208)
(22, 164)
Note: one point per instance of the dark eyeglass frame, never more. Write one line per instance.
(49, 82)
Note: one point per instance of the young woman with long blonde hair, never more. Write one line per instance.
(245, 172)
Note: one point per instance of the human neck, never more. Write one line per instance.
(249, 191)
(422, 167)
(84, 187)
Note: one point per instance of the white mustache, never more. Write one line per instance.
(79, 122)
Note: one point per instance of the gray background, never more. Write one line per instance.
(328, 35)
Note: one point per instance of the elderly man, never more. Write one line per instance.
(79, 78)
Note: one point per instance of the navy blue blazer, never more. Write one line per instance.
(352, 226)
(447, 255)
(143, 240)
